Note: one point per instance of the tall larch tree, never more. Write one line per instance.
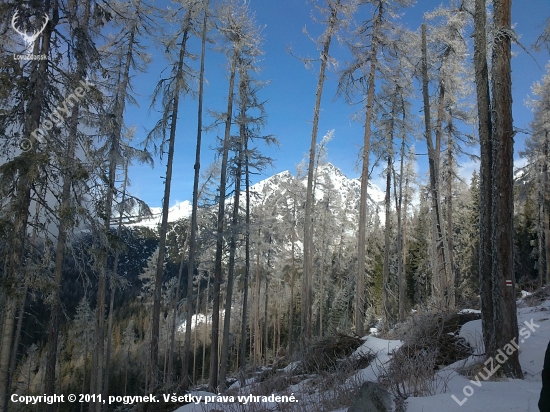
(440, 254)
(361, 74)
(22, 172)
(449, 45)
(195, 204)
(122, 56)
(485, 130)
(334, 15)
(498, 310)
(239, 34)
(71, 167)
(536, 151)
(247, 101)
(505, 327)
(169, 90)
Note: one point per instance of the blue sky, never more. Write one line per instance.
(291, 93)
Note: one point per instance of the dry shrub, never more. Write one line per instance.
(438, 332)
(275, 383)
(405, 375)
(536, 298)
(327, 391)
(325, 355)
(431, 342)
(328, 376)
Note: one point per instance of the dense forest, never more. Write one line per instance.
(95, 298)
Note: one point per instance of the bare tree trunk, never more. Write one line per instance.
(7, 332)
(66, 216)
(321, 291)
(192, 241)
(166, 203)
(266, 324)
(214, 363)
(446, 286)
(486, 188)
(110, 333)
(233, 242)
(242, 364)
(83, 387)
(257, 349)
(450, 243)
(196, 331)
(504, 299)
(400, 237)
(292, 280)
(19, 327)
(404, 241)
(307, 276)
(278, 323)
(540, 218)
(205, 329)
(188, 305)
(439, 258)
(386, 264)
(96, 370)
(22, 202)
(361, 242)
(113, 289)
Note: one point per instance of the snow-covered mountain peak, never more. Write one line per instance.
(180, 210)
(331, 185)
(331, 170)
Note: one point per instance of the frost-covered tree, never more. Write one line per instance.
(448, 49)
(335, 14)
(240, 36)
(498, 302)
(122, 57)
(169, 91)
(20, 171)
(360, 77)
(196, 195)
(537, 154)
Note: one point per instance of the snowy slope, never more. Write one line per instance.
(344, 185)
(474, 395)
(506, 395)
(179, 211)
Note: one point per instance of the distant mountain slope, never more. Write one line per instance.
(345, 193)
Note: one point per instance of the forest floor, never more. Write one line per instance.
(409, 366)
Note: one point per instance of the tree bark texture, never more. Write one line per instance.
(485, 130)
(504, 299)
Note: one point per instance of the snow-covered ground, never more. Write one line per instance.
(459, 393)
(521, 395)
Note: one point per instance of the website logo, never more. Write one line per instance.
(28, 38)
